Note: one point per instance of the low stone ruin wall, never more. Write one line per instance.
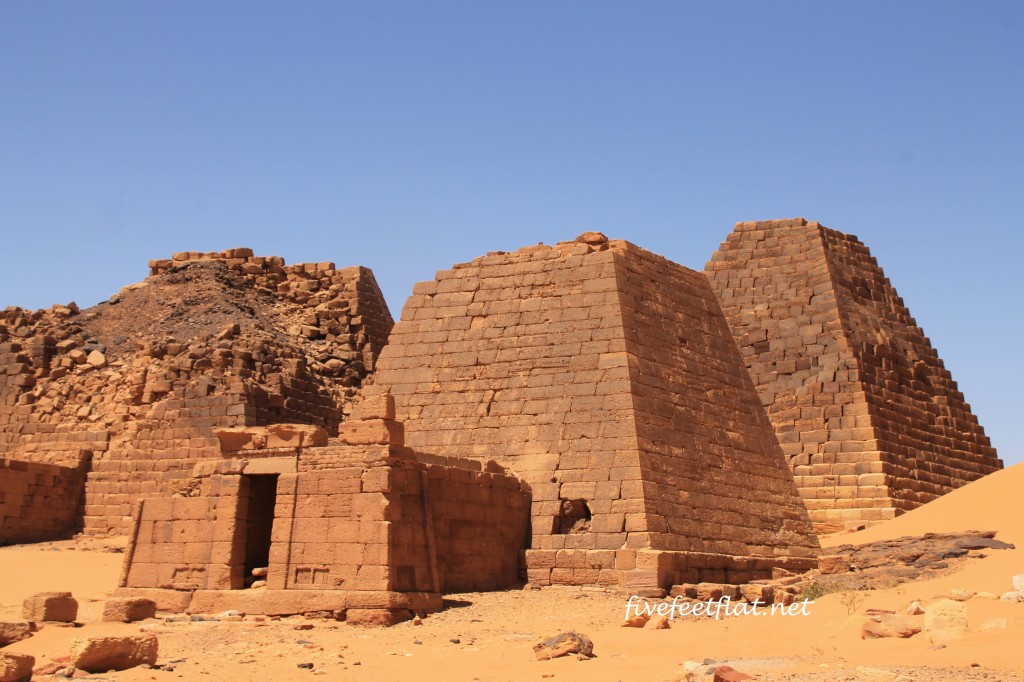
(39, 501)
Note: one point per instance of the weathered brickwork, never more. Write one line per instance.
(359, 521)
(39, 501)
(140, 382)
(607, 378)
(871, 421)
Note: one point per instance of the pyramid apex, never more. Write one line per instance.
(592, 238)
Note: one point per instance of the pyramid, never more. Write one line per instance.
(128, 393)
(607, 378)
(870, 420)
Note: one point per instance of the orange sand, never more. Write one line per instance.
(496, 631)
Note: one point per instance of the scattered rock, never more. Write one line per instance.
(16, 667)
(564, 644)
(128, 610)
(945, 620)
(1010, 596)
(915, 609)
(889, 626)
(100, 654)
(15, 630)
(1018, 585)
(58, 607)
(304, 666)
(637, 620)
(726, 673)
(260, 572)
(97, 359)
(657, 622)
(961, 595)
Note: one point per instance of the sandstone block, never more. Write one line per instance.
(128, 610)
(53, 606)
(15, 631)
(890, 625)
(945, 620)
(100, 654)
(16, 667)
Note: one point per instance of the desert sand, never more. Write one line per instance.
(489, 636)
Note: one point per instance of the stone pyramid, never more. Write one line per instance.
(608, 379)
(871, 421)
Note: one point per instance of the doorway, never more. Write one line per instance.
(257, 500)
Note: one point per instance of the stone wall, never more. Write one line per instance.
(38, 501)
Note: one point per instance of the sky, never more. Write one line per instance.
(409, 136)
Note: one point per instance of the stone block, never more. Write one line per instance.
(50, 606)
(16, 667)
(128, 609)
(102, 654)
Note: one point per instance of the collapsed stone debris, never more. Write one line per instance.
(587, 413)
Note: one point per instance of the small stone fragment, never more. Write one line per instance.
(961, 595)
(564, 644)
(726, 673)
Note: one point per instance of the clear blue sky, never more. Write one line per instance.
(407, 136)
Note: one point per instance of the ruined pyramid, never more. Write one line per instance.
(130, 391)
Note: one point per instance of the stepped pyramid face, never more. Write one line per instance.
(608, 379)
(871, 421)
